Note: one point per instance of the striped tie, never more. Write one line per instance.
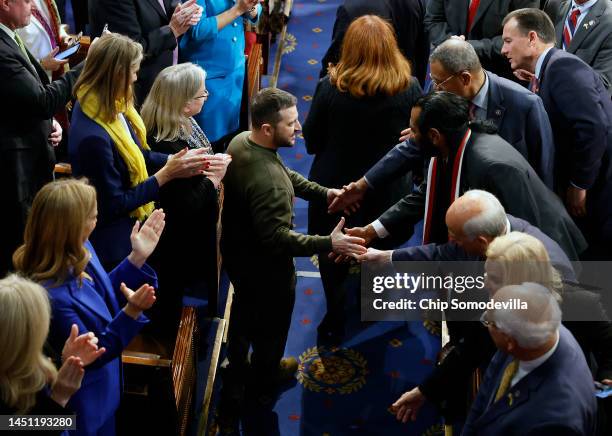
(570, 26)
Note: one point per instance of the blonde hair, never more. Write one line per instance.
(107, 74)
(162, 110)
(24, 325)
(523, 258)
(53, 239)
(370, 60)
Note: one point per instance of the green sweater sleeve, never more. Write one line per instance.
(271, 214)
(306, 189)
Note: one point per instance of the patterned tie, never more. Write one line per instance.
(22, 47)
(472, 111)
(534, 85)
(570, 26)
(504, 384)
(471, 15)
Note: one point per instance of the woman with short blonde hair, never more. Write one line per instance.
(516, 258)
(357, 114)
(108, 145)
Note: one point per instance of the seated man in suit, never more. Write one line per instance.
(28, 132)
(475, 21)
(538, 383)
(580, 113)
(155, 24)
(406, 17)
(584, 28)
(519, 115)
(466, 155)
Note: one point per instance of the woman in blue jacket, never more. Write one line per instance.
(217, 44)
(57, 254)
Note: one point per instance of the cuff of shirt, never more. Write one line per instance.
(368, 182)
(576, 186)
(380, 230)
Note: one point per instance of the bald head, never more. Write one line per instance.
(474, 220)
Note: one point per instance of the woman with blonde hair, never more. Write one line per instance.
(179, 93)
(108, 145)
(57, 254)
(29, 382)
(357, 113)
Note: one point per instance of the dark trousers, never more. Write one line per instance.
(333, 276)
(261, 316)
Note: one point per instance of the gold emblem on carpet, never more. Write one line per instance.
(337, 371)
(290, 43)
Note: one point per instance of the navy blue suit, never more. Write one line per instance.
(450, 251)
(96, 307)
(521, 120)
(557, 398)
(580, 112)
(94, 155)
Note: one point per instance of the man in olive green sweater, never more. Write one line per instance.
(259, 243)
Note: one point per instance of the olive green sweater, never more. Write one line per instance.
(258, 206)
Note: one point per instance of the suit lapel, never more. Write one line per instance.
(29, 63)
(158, 8)
(480, 12)
(89, 298)
(563, 10)
(544, 65)
(495, 106)
(102, 277)
(587, 25)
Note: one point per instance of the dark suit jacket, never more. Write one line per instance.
(557, 398)
(520, 118)
(44, 405)
(93, 155)
(491, 164)
(146, 23)
(592, 42)
(580, 112)
(406, 17)
(26, 156)
(445, 18)
(330, 136)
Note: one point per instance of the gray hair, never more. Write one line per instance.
(456, 56)
(491, 221)
(533, 326)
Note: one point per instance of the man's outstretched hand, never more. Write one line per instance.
(349, 200)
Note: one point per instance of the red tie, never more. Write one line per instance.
(471, 15)
(570, 27)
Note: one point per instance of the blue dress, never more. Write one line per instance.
(221, 54)
(95, 306)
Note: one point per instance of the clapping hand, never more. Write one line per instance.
(138, 301)
(217, 166)
(184, 16)
(145, 239)
(68, 381)
(408, 405)
(84, 346)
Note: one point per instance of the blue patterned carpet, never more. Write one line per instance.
(349, 394)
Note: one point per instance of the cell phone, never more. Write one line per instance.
(67, 53)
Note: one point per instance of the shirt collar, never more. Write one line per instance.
(480, 100)
(530, 365)
(508, 229)
(538, 68)
(8, 31)
(583, 7)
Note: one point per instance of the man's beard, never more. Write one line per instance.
(429, 150)
(281, 142)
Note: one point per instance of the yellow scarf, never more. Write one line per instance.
(128, 149)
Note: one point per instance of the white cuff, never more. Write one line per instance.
(380, 229)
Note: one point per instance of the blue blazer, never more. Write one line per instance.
(520, 118)
(96, 307)
(221, 54)
(580, 112)
(450, 251)
(557, 398)
(93, 154)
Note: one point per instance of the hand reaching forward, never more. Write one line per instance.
(84, 347)
(344, 244)
(367, 233)
(374, 255)
(523, 75)
(138, 301)
(145, 239)
(406, 134)
(68, 381)
(350, 198)
(408, 405)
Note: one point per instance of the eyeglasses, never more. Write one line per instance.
(204, 96)
(485, 322)
(437, 84)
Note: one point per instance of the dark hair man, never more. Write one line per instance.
(259, 244)
(580, 112)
